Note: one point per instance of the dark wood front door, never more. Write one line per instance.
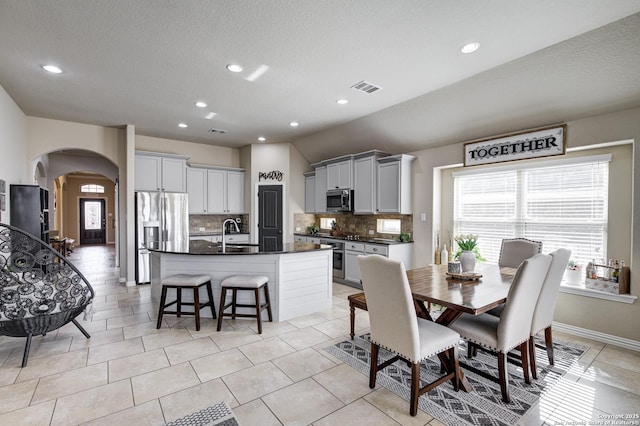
(93, 224)
(270, 217)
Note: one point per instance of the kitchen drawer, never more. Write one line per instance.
(352, 246)
(236, 238)
(380, 249)
(313, 240)
(299, 239)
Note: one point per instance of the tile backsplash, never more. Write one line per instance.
(353, 224)
(213, 222)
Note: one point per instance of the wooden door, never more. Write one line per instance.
(270, 217)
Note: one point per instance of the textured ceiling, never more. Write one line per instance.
(146, 62)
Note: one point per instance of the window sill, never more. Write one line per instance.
(582, 291)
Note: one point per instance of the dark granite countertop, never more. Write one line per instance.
(202, 247)
(213, 232)
(382, 241)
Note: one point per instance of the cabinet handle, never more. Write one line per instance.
(375, 249)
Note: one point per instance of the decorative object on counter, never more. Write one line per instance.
(468, 251)
(313, 230)
(405, 237)
(464, 276)
(573, 274)
(454, 267)
(610, 279)
(444, 255)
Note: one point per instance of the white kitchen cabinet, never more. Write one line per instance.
(197, 189)
(351, 268)
(215, 191)
(321, 190)
(339, 174)
(394, 184)
(402, 252)
(160, 172)
(310, 192)
(313, 240)
(365, 172)
(299, 239)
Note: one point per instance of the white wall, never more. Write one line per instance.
(13, 145)
(200, 153)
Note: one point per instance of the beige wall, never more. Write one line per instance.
(614, 318)
(200, 153)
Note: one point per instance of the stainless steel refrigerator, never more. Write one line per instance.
(160, 216)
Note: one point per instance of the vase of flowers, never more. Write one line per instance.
(467, 251)
(574, 274)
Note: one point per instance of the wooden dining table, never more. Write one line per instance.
(432, 285)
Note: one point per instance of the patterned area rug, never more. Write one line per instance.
(484, 405)
(219, 414)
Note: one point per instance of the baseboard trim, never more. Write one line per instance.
(131, 283)
(596, 335)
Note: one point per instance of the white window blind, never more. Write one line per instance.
(562, 204)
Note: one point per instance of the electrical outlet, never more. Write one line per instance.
(423, 217)
(201, 229)
(297, 229)
(371, 232)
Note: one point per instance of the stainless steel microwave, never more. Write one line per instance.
(340, 200)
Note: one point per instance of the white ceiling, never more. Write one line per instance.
(146, 62)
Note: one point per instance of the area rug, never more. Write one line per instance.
(483, 406)
(219, 414)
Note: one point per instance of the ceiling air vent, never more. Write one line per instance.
(365, 86)
(221, 131)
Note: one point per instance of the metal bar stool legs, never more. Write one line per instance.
(237, 283)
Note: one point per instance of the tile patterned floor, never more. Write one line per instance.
(131, 373)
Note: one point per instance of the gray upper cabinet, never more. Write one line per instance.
(321, 190)
(160, 172)
(365, 172)
(215, 190)
(394, 184)
(339, 174)
(310, 192)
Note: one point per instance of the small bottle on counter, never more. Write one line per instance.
(444, 255)
(615, 275)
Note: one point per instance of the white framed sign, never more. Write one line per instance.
(544, 142)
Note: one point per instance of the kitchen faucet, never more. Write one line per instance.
(224, 227)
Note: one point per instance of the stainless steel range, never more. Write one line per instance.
(338, 257)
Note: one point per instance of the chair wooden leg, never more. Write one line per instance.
(211, 302)
(415, 388)
(258, 310)
(179, 296)
(196, 306)
(267, 298)
(504, 380)
(234, 301)
(27, 346)
(524, 360)
(548, 341)
(223, 297)
(352, 318)
(532, 358)
(163, 301)
(373, 369)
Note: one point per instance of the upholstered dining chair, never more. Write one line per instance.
(543, 314)
(514, 250)
(396, 327)
(512, 329)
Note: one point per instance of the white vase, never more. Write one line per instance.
(467, 261)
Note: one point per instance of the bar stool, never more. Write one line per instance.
(245, 282)
(182, 281)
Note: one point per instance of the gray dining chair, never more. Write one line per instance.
(543, 314)
(512, 329)
(396, 327)
(512, 252)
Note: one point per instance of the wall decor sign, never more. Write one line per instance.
(544, 142)
(272, 175)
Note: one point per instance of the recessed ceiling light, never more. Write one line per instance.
(234, 67)
(342, 101)
(210, 115)
(52, 69)
(294, 124)
(183, 125)
(262, 139)
(201, 104)
(470, 47)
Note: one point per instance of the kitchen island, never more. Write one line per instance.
(300, 277)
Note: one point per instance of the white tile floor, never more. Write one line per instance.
(131, 373)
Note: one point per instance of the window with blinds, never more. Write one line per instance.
(563, 204)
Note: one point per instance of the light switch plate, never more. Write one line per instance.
(423, 217)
